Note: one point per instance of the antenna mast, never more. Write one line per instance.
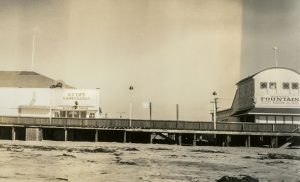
(32, 53)
(275, 56)
(34, 36)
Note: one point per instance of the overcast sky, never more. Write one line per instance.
(171, 51)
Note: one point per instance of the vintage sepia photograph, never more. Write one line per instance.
(150, 90)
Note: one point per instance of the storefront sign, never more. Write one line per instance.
(280, 100)
(76, 96)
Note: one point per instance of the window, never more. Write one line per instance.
(288, 120)
(272, 85)
(92, 115)
(63, 114)
(271, 119)
(295, 85)
(75, 114)
(286, 85)
(70, 114)
(263, 85)
(56, 114)
(83, 114)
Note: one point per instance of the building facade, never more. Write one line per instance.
(50, 102)
(269, 96)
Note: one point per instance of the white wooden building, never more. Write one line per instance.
(269, 96)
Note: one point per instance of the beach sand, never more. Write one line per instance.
(87, 161)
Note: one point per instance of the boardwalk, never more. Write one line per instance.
(144, 131)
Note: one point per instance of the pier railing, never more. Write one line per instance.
(148, 124)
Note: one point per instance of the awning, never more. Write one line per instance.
(242, 112)
(269, 111)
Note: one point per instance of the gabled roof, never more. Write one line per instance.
(26, 79)
(250, 77)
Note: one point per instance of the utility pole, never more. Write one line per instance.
(130, 105)
(177, 112)
(150, 110)
(215, 109)
(34, 36)
(33, 52)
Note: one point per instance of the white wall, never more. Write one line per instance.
(264, 96)
(37, 101)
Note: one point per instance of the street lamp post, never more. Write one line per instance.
(130, 106)
(215, 109)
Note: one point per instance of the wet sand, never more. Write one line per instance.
(87, 161)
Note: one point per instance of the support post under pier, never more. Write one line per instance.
(66, 134)
(195, 140)
(179, 139)
(96, 135)
(274, 142)
(248, 141)
(13, 133)
(227, 140)
(124, 137)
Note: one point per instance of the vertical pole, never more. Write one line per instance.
(275, 56)
(13, 133)
(274, 142)
(50, 120)
(99, 106)
(96, 136)
(66, 134)
(195, 140)
(33, 52)
(150, 110)
(124, 137)
(41, 138)
(215, 113)
(249, 141)
(228, 139)
(151, 139)
(179, 139)
(130, 105)
(130, 109)
(177, 112)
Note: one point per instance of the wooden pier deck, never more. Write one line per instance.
(33, 128)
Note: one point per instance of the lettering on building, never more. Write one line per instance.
(280, 100)
(76, 96)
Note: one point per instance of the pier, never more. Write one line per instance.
(148, 131)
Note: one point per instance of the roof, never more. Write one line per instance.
(26, 79)
(250, 77)
(269, 111)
